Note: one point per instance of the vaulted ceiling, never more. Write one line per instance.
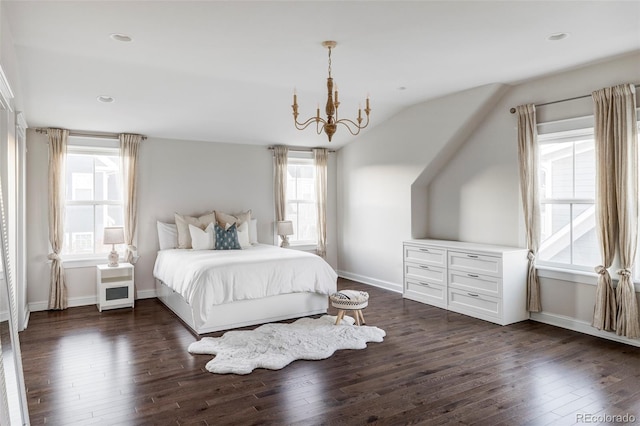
(225, 70)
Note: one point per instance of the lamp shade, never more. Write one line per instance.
(285, 227)
(113, 235)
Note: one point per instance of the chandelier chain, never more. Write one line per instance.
(329, 62)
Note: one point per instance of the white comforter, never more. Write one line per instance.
(211, 277)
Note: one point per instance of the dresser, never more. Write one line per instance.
(483, 281)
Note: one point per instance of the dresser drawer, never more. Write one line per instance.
(475, 263)
(475, 304)
(426, 292)
(425, 255)
(419, 272)
(475, 283)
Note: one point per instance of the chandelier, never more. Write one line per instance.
(330, 124)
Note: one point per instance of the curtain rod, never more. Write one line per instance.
(513, 110)
(89, 134)
(271, 148)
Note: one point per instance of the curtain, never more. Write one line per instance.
(617, 157)
(57, 159)
(129, 147)
(528, 161)
(604, 313)
(320, 161)
(280, 184)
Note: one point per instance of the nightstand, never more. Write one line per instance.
(114, 286)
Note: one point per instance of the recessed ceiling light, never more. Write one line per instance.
(557, 36)
(121, 37)
(105, 99)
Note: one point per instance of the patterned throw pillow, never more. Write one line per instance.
(227, 239)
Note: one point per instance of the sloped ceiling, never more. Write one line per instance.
(225, 70)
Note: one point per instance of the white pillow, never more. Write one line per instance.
(243, 235)
(203, 240)
(183, 222)
(253, 231)
(167, 235)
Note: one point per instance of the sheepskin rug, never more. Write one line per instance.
(274, 346)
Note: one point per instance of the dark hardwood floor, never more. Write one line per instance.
(131, 367)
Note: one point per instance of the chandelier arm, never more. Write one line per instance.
(346, 123)
(302, 126)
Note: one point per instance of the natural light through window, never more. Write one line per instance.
(301, 200)
(93, 199)
(567, 200)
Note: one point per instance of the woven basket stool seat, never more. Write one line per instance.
(350, 300)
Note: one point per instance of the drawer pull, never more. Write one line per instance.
(424, 267)
(423, 283)
(472, 275)
(473, 294)
(425, 250)
(473, 256)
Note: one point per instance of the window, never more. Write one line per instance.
(93, 199)
(301, 199)
(567, 200)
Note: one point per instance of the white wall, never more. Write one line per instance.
(475, 197)
(376, 172)
(174, 176)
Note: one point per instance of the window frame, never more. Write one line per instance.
(302, 158)
(557, 137)
(563, 271)
(80, 145)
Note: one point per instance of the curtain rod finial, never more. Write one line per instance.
(512, 110)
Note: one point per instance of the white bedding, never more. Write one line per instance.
(206, 278)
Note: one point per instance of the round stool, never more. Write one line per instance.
(350, 300)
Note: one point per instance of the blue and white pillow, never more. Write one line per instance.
(227, 239)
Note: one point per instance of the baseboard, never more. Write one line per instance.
(25, 320)
(146, 294)
(87, 300)
(580, 326)
(4, 316)
(371, 281)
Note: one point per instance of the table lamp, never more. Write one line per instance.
(285, 228)
(113, 235)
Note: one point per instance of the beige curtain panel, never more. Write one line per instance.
(604, 313)
(129, 147)
(528, 161)
(320, 160)
(57, 159)
(616, 133)
(280, 184)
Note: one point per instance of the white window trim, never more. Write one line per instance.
(302, 157)
(577, 127)
(78, 145)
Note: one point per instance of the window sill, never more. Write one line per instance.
(88, 262)
(303, 247)
(575, 276)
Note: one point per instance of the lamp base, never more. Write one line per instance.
(113, 258)
(285, 241)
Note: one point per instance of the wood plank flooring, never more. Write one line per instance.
(131, 367)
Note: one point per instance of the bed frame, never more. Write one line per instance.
(244, 312)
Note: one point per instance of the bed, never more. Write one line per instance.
(213, 290)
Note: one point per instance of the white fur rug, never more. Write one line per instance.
(274, 346)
